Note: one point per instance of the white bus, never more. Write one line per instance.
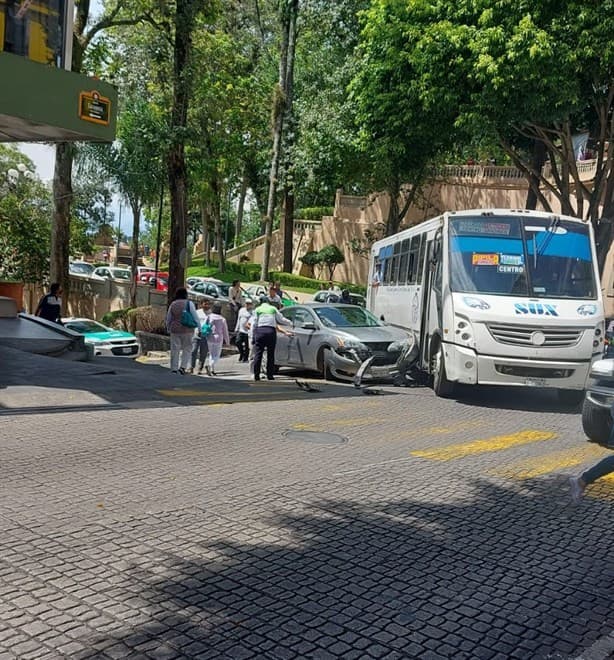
(494, 297)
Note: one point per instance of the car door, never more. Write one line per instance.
(303, 350)
(284, 346)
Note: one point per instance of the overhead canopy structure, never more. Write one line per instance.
(41, 99)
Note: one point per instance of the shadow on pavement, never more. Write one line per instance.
(505, 574)
(31, 384)
(515, 398)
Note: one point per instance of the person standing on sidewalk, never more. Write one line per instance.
(266, 322)
(199, 341)
(217, 338)
(181, 319)
(242, 330)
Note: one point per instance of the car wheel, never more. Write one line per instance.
(596, 422)
(572, 398)
(324, 362)
(441, 385)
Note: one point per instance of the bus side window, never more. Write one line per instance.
(421, 259)
(403, 278)
(413, 259)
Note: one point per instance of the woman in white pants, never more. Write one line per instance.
(181, 334)
(217, 338)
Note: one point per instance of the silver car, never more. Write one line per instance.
(599, 402)
(335, 340)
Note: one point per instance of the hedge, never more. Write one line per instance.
(301, 282)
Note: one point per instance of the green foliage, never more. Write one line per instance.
(25, 212)
(311, 259)
(118, 319)
(247, 272)
(313, 213)
(309, 284)
(331, 256)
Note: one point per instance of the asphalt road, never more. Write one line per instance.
(147, 515)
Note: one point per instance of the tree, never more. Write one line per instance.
(401, 131)
(532, 75)
(362, 246)
(311, 259)
(25, 206)
(133, 164)
(282, 101)
(331, 256)
(84, 35)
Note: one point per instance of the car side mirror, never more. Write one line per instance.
(308, 326)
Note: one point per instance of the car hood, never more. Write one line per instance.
(108, 336)
(373, 334)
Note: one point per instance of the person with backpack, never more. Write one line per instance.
(200, 347)
(181, 319)
(217, 338)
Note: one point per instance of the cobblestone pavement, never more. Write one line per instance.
(440, 529)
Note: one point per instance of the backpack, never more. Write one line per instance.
(206, 328)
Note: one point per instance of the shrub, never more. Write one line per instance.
(310, 284)
(331, 255)
(311, 259)
(118, 319)
(313, 213)
(147, 319)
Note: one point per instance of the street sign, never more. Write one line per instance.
(94, 107)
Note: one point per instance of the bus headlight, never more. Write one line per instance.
(463, 331)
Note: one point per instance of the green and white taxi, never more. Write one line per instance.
(104, 340)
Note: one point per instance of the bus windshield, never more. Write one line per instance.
(535, 257)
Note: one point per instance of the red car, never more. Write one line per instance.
(149, 277)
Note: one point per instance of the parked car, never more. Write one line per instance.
(111, 273)
(324, 296)
(192, 280)
(255, 291)
(81, 268)
(335, 340)
(106, 341)
(213, 289)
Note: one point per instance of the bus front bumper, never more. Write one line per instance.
(463, 365)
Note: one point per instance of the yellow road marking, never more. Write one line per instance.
(540, 465)
(358, 421)
(496, 443)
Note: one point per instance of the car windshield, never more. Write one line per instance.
(346, 317)
(120, 274)
(84, 327)
(547, 258)
(81, 268)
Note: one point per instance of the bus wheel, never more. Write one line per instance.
(441, 385)
(571, 398)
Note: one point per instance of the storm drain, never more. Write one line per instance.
(316, 437)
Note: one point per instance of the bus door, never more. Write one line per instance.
(429, 302)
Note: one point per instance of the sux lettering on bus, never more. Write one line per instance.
(536, 308)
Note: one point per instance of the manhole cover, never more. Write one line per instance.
(316, 437)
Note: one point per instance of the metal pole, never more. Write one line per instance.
(119, 235)
(159, 230)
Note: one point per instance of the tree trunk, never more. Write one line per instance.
(136, 226)
(280, 106)
(185, 14)
(537, 162)
(240, 210)
(393, 221)
(218, 228)
(287, 228)
(60, 229)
